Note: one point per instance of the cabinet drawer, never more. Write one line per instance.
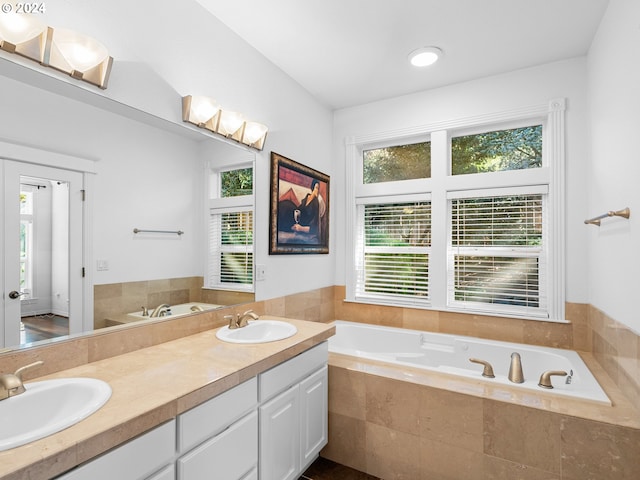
(215, 415)
(134, 460)
(167, 473)
(227, 456)
(292, 371)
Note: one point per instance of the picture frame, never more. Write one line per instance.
(299, 208)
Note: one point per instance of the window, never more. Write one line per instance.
(465, 220)
(496, 257)
(393, 256)
(400, 162)
(230, 259)
(26, 238)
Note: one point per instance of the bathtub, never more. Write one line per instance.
(451, 353)
(179, 310)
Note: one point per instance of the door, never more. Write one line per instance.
(40, 252)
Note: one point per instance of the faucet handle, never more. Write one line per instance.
(545, 378)
(488, 369)
(233, 321)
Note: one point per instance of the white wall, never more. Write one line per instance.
(523, 88)
(614, 163)
(150, 167)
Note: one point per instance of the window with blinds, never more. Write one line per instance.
(230, 243)
(231, 249)
(496, 253)
(393, 250)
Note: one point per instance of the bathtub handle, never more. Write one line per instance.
(545, 378)
(488, 369)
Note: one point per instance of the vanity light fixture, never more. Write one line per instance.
(425, 56)
(24, 35)
(206, 113)
(201, 111)
(80, 56)
(70, 52)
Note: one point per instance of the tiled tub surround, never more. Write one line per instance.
(151, 386)
(116, 299)
(397, 422)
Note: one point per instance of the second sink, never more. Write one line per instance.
(258, 331)
(48, 406)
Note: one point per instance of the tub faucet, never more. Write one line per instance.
(11, 383)
(487, 371)
(545, 378)
(515, 369)
(159, 310)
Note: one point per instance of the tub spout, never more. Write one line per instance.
(488, 369)
(515, 369)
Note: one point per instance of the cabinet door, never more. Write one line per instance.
(280, 437)
(227, 456)
(167, 473)
(313, 415)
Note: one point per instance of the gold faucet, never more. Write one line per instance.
(545, 378)
(11, 383)
(159, 310)
(515, 369)
(488, 369)
(240, 321)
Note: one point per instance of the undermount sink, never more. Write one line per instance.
(258, 331)
(47, 407)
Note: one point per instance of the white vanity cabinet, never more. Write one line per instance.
(149, 456)
(219, 439)
(293, 414)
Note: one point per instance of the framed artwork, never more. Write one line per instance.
(299, 213)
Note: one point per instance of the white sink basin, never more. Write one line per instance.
(258, 331)
(48, 407)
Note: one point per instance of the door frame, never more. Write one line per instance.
(87, 167)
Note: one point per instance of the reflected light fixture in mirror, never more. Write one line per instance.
(201, 111)
(231, 125)
(24, 35)
(206, 113)
(254, 135)
(80, 56)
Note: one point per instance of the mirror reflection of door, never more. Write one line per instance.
(42, 252)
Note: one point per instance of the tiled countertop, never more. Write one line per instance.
(151, 386)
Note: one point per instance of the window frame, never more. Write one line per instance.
(442, 185)
(216, 206)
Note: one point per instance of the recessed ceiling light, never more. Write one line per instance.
(425, 56)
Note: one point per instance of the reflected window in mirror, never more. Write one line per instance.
(231, 210)
(26, 238)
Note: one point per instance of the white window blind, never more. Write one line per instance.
(497, 254)
(231, 249)
(393, 246)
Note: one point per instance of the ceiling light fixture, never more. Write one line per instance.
(70, 52)
(206, 113)
(425, 56)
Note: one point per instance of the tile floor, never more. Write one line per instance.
(323, 469)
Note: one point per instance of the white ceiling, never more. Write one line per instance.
(351, 52)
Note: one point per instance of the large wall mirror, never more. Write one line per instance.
(147, 175)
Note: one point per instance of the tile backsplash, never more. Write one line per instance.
(616, 347)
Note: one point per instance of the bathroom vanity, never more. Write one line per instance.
(194, 406)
